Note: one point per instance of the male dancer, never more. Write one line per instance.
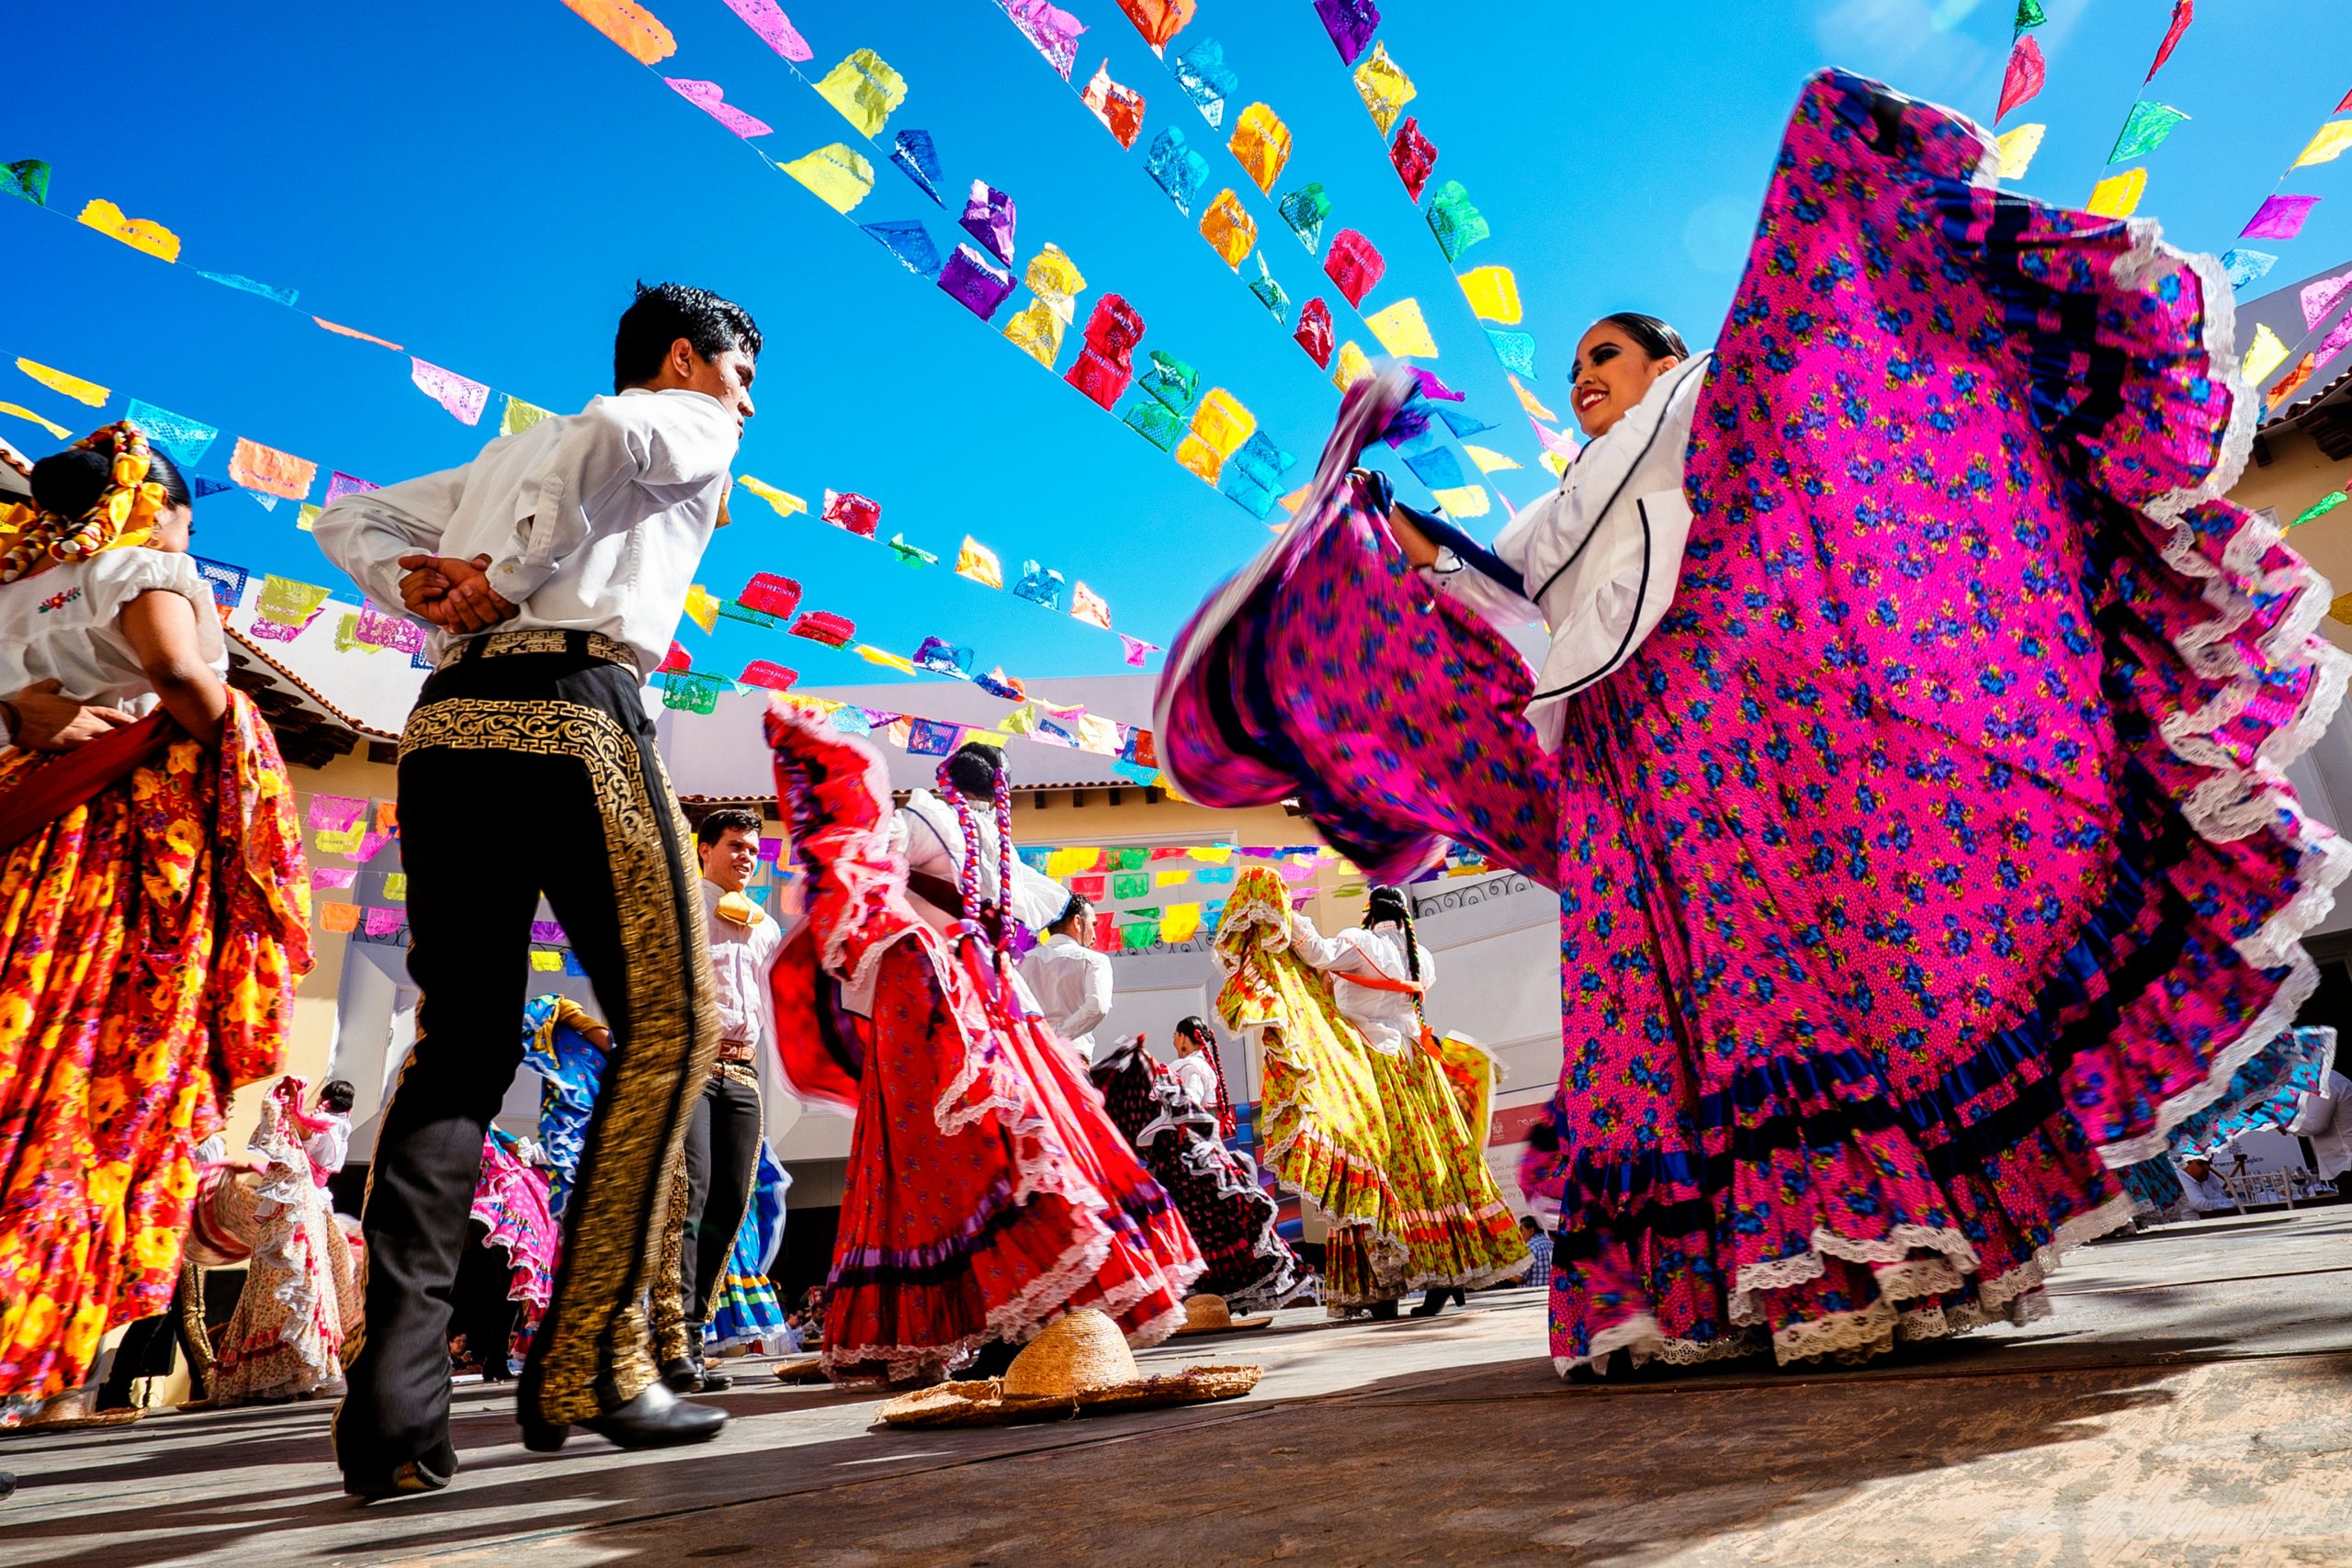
(554, 569)
(1072, 981)
(722, 1150)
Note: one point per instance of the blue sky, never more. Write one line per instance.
(482, 183)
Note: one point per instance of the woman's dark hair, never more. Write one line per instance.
(70, 482)
(1655, 337)
(1389, 907)
(336, 1094)
(1195, 1027)
(725, 819)
(973, 771)
(664, 313)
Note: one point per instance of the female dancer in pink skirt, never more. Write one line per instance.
(1907, 758)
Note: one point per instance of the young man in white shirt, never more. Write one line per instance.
(722, 1148)
(552, 569)
(1072, 982)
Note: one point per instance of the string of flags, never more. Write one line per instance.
(2147, 124)
(1454, 221)
(464, 397)
(861, 516)
(2281, 218)
(1260, 141)
(1213, 437)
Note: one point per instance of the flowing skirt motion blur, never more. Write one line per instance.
(987, 1192)
(1931, 860)
(151, 937)
(1385, 1147)
(1215, 1189)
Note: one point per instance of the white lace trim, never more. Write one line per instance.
(1898, 1273)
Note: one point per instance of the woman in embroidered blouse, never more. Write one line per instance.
(166, 848)
(1907, 756)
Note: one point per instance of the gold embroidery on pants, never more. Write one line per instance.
(667, 1295)
(595, 1328)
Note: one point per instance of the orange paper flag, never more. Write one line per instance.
(631, 26)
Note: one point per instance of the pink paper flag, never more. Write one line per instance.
(2320, 297)
(1054, 31)
(2338, 339)
(2024, 77)
(2183, 13)
(341, 485)
(465, 400)
(330, 876)
(2281, 218)
(334, 813)
(384, 923)
(773, 26)
(711, 98)
(1136, 649)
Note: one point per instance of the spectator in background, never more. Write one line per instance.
(2207, 1193)
(1539, 1252)
(328, 1143)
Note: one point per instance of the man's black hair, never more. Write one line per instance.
(665, 312)
(1080, 909)
(336, 1094)
(725, 818)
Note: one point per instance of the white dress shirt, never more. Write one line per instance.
(740, 957)
(2325, 1118)
(1599, 557)
(1388, 1018)
(593, 522)
(1072, 983)
(1198, 1077)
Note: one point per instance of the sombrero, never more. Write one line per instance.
(801, 1368)
(1080, 1366)
(1209, 1315)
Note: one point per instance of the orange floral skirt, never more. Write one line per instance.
(151, 938)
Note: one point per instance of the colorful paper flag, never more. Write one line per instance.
(1456, 223)
(764, 672)
(270, 471)
(976, 282)
(2263, 355)
(2023, 77)
(1532, 405)
(20, 411)
(886, 659)
(2243, 266)
(978, 563)
(769, 594)
(865, 89)
(287, 603)
(1203, 76)
(776, 29)
(1054, 31)
(838, 176)
(1351, 24)
(2279, 217)
(1354, 264)
(917, 156)
(58, 382)
(2293, 380)
(2118, 195)
(1159, 20)
(1488, 460)
(1354, 366)
(912, 555)
(2328, 145)
(1119, 108)
(711, 98)
(1087, 605)
(1260, 143)
(1402, 330)
(1133, 649)
(27, 178)
(2017, 147)
(636, 30)
(1470, 500)
(1383, 85)
(988, 217)
(783, 501)
(338, 917)
(2145, 131)
(2183, 12)
(2320, 508)
(1036, 331)
(138, 233)
(1304, 211)
(239, 281)
(1413, 155)
(354, 333)
(855, 513)
(464, 397)
(1176, 168)
(519, 416)
(1228, 228)
(2319, 298)
(702, 607)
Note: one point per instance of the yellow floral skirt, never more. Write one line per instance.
(151, 938)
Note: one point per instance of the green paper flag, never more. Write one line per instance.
(912, 555)
(1131, 885)
(28, 177)
(2321, 508)
(2030, 15)
(2145, 131)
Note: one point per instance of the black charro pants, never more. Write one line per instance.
(722, 1157)
(524, 770)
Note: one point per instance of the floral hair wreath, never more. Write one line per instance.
(124, 513)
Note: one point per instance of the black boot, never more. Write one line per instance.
(654, 1420)
(683, 1374)
(1383, 1312)
(713, 1381)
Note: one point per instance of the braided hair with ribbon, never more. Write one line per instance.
(104, 492)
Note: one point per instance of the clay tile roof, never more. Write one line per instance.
(312, 731)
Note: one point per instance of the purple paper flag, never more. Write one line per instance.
(975, 280)
(341, 485)
(1054, 31)
(1351, 24)
(773, 26)
(770, 849)
(988, 217)
(1136, 648)
(929, 738)
(2320, 299)
(711, 98)
(464, 399)
(2338, 338)
(551, 931)
(2281, 218)
(379, 630)
(1431, 387)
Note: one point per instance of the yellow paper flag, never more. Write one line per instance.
(1488, 460)
(1532, 405)
(1261, 144)
(978, 562)
(1384, 87)
(1556, 463)
(872, 655)
(785, 502)
(1493, 292)
(73, 387)
(2263, 355)
(547, 963)
(138, 233)
(1470, 500)
(1353, 366)
(1223, 422)
(308, 516)
(1200, 460)
(2328, 145)
(1055, 280)
(1170, 878)
(1402, 331)
(1214, 854)
(2118, 195)
(839, 176)
(22, 412)
(1179, 922)
(2017, 147)
(866, 89)
(702, 607)
(396, 886)
(1036, 331)
(519, 416)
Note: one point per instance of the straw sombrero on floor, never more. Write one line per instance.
(801, 1368)
(1080, 1366)
(1209, 1315)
